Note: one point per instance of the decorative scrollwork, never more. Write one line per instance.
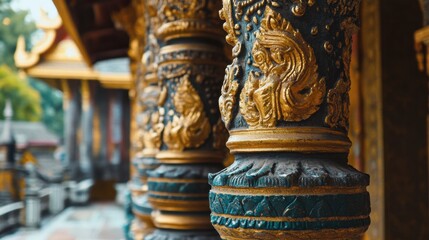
(289, 87)
(192, 127)
(226, 14)
(229, 92)
(151, 125)
(338, 105)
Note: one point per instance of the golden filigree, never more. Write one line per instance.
(192, 127)
(338, 105)
(188, 18)
(344, 7)
(253, 6)
(300, 6)
(151, 125)
(172, 10)
(338, 98)
(229, 91)
(226, 14)
(289, 87)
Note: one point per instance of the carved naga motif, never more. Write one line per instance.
(192, 127)
(288, 87)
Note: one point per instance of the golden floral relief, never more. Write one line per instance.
(288, 87)
(229, 89)
(192, 127)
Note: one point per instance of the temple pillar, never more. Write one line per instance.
(71, 106)
(285, 103)
(190, 63)
(87, 114)
(136, 20)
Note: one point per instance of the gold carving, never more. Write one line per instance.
(182, 222)
(256, 234)
(226, 14)
(188, 18)
(191, 157)
(150, 126)
(288, 139)
(338, 97)
(290, 191)
(338, 105)
(180, 205)
(192, 127)
(289, 87)
(229, 92)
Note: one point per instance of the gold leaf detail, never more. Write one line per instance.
(228, 93)
(289, 87)
(226, 14)
(191, 128)
(338, 105)
(150, 123)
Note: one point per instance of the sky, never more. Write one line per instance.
(34, 6)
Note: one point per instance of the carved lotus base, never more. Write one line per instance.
(289, 196)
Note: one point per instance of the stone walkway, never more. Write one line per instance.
(95, 222)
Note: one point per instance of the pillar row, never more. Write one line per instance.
(190, 66)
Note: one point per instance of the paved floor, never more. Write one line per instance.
(95, 222)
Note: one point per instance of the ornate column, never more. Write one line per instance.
(71, 106)
(86, 121)
(136, 21)
(190, 63)
(285, 103)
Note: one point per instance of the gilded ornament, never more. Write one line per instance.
(289, 87)
(188, 18)
(338, 105)
(226, 14)
(192, 127)
(252, 7)
(229, 91)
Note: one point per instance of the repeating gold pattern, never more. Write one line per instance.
(289, 87)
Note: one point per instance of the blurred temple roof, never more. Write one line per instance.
(32, 134)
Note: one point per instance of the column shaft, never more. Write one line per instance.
(285, 103)
(190, 63)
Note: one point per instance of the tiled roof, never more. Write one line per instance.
(32, 133)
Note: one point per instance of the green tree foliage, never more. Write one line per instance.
(52, 105)
(32, 99)
(25, 100)
(12, 25)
